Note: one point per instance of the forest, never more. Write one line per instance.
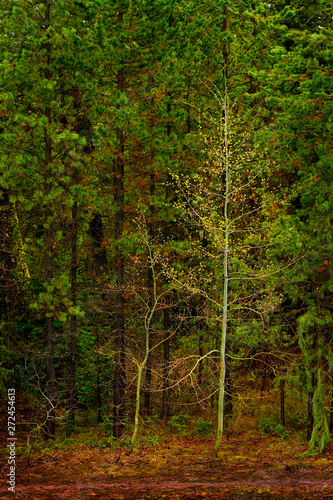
(166, 195)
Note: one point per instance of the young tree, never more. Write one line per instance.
(225, 201)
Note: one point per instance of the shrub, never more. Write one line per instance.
(202, 427)
(272, 428)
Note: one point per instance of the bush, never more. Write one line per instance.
(178, 422)
(202, 427)
(272, 428)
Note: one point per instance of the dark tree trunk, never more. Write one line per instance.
(147, 387)
(96, 232)
(166, 312)
(147, 384)
(50, 383)
(119, 360)
(310, 408)
(73, 318)
(49, 333)
(150, 285)
(200, 367)
(225, 46)
(99, 393)
(331, 416)
(282, 405)
(50, 386)
(166, 366)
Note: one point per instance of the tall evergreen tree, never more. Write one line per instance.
(40, 154)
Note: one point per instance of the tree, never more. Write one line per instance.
(40, 112)
(300, 91)
(225, 201)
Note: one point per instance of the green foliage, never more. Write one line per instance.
(151, 440)
(88, 86)
(272, 428)
(203, 427)
(178, 423)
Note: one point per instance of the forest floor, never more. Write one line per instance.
(249, 466)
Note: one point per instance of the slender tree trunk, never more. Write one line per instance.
(200, 367)
(166, 312)
(225, 46)
(50, 387)
(228, 395)
(282, 405)
(49, 333)
(138, 387)
(331, 413)
(166, 365)
(73, 318)
(220, 409)
(98, 389)
(119, 361)
(147, 392)
(148, 320)
(148, 383)
(50, 383)
(310, 408)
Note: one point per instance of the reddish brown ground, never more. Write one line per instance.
(248, 467)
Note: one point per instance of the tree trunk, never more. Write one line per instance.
(119, 361)
(148, 384)
(331, 414)
(73, 318)
(50, 383)
(166, 312)
(166, 365)
(99, 394)
(49, 340)
(220, 409)
(200, 367)
(228, 407)
(150, 284)
(282, 398)
(50, 386)
(310, 408)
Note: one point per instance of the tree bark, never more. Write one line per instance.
(166, 365)
(49, 333)
(150, 284)
(119, 360)
(220, 410)
(310, 408)
(73, 318)
(282, 400)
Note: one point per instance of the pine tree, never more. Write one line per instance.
(40, 154)
(300, 96)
